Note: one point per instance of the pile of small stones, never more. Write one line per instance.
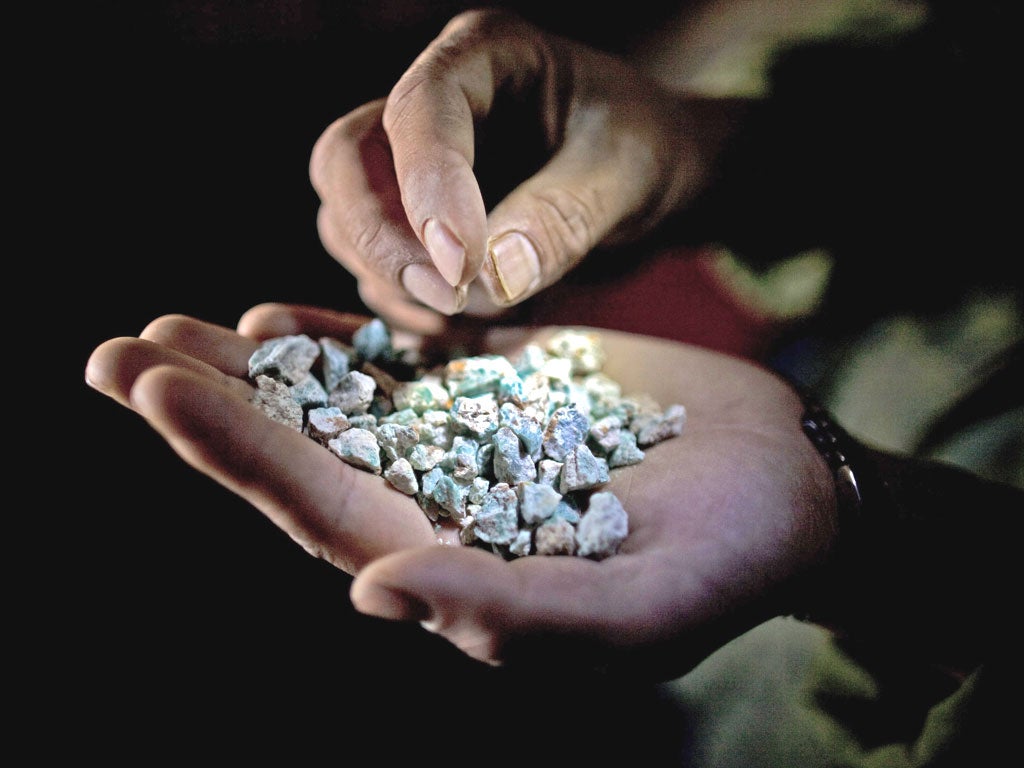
(514, 452)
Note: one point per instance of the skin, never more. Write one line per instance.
(728, 521)
(406, 208)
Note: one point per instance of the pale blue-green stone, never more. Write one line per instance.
(602, 528)
(309, 392)
(372, 341)
(359, 448)
(284, 358)
(497, 522)
(334, 362)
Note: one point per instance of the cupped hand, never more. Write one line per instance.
(727, 521)
(410, 203)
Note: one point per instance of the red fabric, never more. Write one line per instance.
(674, 295)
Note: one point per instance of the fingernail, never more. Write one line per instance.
(448, 254)
(515, 263)
(385, 603)
(428, 287)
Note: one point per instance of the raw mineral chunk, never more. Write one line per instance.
(569, 510)
(365, 421)
(530, 359)
(425, 394)
(477, 490)
(372, 341)
(566, 429)
(537, 502)
(536, 392)
(527, 428)
(549, 472)
(604, 394)
(334, 361)
(273, 398)
(401, 475)
(430, 507)
(381, 406)
(436, 428)
(285, 358)
(510, 389)
(626, 452)
(354, 393)
(461, 460)
(521, 546)
(485, 459)
(512, 464)
(558, 372)
(555, 537)
(476, 415)
(425, 457)
(429, 480)
(498, 519)
(641, 406)
(582, 470)
(325, 424)
(396, 440)
(359, 448)
(385, 380)
(582, 348)
(450, 496)
(467, 526)
(666, 425)
(577, 395)
(605, 433)
(602, 528)
(309, 392)
(470, 376)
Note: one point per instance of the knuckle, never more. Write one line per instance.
(479, 22)
(322, 154)
(570, 223)
(168, 329)
(464, 41)
(367, 235)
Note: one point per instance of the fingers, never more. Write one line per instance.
(336, 512)
(403, 208)
(272, 319)
(116, 364)
(361, 221)
(213, 344)
(622, 164)
(610, 134)
(429, 119)
(395, 306)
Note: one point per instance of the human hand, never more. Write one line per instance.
(725, 520)
(440, 200)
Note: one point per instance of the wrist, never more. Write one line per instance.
(842, 455)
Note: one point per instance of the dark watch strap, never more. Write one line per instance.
(834, 444)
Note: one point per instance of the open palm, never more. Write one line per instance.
(726, 521)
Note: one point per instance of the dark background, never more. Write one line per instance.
(164, 618)
(157, 616)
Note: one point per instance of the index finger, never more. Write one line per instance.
(429, 120)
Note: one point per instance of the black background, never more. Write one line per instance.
(164, 618)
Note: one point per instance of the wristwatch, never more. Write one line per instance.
(834, 444)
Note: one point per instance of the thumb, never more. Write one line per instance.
(483, 604)
(594, 185)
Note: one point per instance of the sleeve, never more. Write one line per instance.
(926, 564)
